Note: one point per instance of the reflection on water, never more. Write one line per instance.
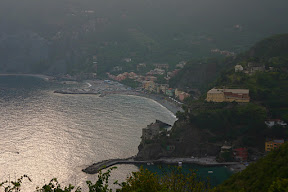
(46, 135)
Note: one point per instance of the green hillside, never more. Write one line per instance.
(267, 174)
(204, 127)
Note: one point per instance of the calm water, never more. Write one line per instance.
(47, 135)
(215, 174)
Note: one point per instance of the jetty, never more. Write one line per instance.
(204, 161)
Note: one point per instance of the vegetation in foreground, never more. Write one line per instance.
(267, 174)
(141, 181)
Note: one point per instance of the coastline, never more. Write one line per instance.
(204, 161)
(161, 100)
(106, 87)
(44, 77)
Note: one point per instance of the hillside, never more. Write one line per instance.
(63, 36)
(267, 174)
(206, 126)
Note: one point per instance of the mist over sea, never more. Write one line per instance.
(47, 135)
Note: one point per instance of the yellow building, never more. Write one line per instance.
(228, 95)
(273, 144)
(149, 86)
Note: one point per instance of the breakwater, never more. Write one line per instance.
(205, 161)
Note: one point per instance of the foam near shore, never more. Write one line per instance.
(107, 87)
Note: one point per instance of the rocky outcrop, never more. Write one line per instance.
(185, 140)
(150, 151)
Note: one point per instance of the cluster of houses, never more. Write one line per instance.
(149, 80)
(223, 52)
(241, 154)
(251, 68)
(153, 87)
(237, 154)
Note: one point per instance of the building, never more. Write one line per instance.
(163, 88)
(226, 153)
(117, 68)
(273, 122)
(153, 129)
(150, 78)
(240, 154)
(161, 66)
(149, 86)
(120, 77)
(132, 75)
(170, 148)
(238, 68)
(183, 96)
(226, 148)
(177, 92)
(127, 60)
(170, 92)
(181, 64)
(273, 144)
(228, 95)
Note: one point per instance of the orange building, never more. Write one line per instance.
(273, 144)
(240, 154)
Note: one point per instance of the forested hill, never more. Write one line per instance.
(265, 68)
(267, 174)
(271, 52)
(59, 36)
(275, 46)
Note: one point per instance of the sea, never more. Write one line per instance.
(46, 135)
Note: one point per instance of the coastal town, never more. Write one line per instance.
(165, 95)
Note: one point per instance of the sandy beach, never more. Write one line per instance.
(106, 87)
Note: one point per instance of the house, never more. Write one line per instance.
(238, 68)
(226, 153)
(181, 64)
(226, 148)
(156, 71)
(273, 122)
(120, 77)
(127, 60)
(170, 92)
(141, 66)
(170, 148)
(255, 67)
(161, 66)
(163, 88)
(240, 154)
(228, 95)
(183, 96)
(153, 129)
(132, 75)
(117, 68)
(150, 78)
(273, 144)
(177, 92)
(149, 86)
